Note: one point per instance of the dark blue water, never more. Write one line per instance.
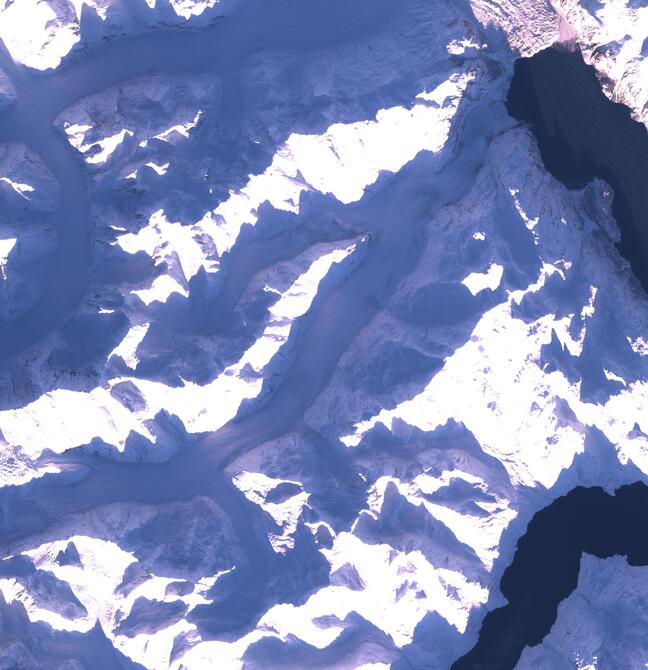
(581, 135)
(546, 564)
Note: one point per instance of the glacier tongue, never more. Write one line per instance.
(297, 333)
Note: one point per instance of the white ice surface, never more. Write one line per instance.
(329, 280)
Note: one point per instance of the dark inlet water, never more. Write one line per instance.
(582, 135)
(545, 568)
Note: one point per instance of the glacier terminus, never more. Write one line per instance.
(323, 334)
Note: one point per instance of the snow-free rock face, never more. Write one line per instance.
(612, 37)
(296, 331)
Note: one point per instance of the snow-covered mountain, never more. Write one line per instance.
(601, 624)
(297, 333)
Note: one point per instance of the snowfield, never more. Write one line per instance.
(297, 333)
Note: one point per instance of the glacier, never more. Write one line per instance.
(298, 333)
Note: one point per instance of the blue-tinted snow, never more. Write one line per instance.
(253, 411)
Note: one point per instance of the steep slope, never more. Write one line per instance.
(297, 332)
(601, 624)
